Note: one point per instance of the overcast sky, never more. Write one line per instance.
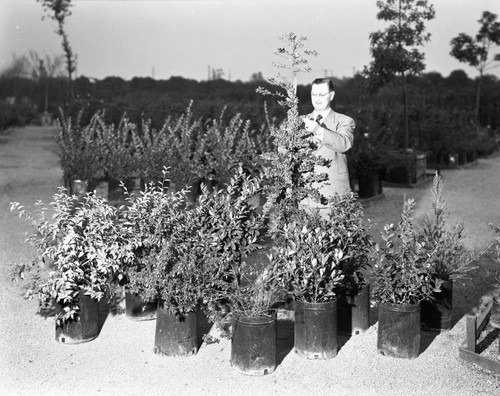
(167, 38)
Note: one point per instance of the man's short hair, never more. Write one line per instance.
(324, 81)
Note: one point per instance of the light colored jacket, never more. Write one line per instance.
(336, 135)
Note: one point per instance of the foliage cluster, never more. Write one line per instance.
(79, 248)
(185, 255)
(232, 230)
(16, 116)
(400, 271)
(449, 258)
(147, 221)
(290, 169)
(395, 50)
(80, 149)
(314, 257)
(496, 247)
(192, 150)
(476, 51)
(367, 156)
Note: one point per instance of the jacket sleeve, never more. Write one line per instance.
(337, 135)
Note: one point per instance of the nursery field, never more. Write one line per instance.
(120, 361)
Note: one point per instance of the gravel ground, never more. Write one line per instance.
(121, 360)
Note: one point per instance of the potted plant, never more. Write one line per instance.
(351, 230)
(240, 282)
(254, 327)
(177, 146)
(119, 157)
(251, 296)
(450, 260)
(405, 167)
(365, 161)
(401, 278)
(79, 259)
(80, 154)
(168, 265)
(176, 278)
(307, 257)
(495, 309)
(147, 221)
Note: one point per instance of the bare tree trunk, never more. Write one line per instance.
(405, 100)
(70, 64)
(46, 102)
(478, 96)
(70, 59)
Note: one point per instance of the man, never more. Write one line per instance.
(333, 132)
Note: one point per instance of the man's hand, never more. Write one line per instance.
(310, 123)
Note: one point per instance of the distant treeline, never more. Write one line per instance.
(441, 108)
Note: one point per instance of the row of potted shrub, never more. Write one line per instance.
(191, 258)
(100, 154)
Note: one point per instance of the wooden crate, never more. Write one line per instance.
(469, 351)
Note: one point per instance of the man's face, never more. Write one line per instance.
(321, 96)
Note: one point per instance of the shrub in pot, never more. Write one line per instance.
(175, 277)
(119, 156)
(231, 230)
(176, 145)
(400, 280)
(351, 231)
(307, 257)
(79, 258)
(365, 161)
(450, 260)
(168, 265)
(495, 310)
(251, 299)
(223, 147)
(147, 221)
(154, 150)
(80, 153)
(405, 167)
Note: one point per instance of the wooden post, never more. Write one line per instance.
(471, 335)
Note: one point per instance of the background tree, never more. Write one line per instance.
(395, 50)
(59, 10)
(43, 68)
(257, 77)
(16, 70)
(18, 67)
(475, 52)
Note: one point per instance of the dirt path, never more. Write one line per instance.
(121, 361)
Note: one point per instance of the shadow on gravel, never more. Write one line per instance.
(426, 339)
(285, 338)
(491, 335)
(109, 306)
(286, 334)
(204, 327)
(469, 294)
